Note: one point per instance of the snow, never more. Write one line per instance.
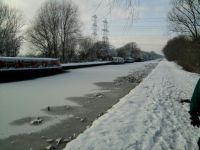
(46, 68)
(26, 58)
(149, 117)
(27, 98)
(86, 63)
(28, 69)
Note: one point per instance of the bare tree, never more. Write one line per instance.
(10, 25)
(85, 44)
(69, 29)
(128, 5)
(184, 18)
(44, 32)
(55, 29)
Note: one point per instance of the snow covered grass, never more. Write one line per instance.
(149, 117)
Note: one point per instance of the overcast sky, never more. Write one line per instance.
(148, 28)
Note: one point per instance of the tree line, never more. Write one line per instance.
(10, 25)
(184, 48)
(55, 31)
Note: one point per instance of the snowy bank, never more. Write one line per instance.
(85, 63)
(149, 117)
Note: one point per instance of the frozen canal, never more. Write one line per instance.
(27, 98)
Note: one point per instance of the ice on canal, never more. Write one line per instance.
(28, 98)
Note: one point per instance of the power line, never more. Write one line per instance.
(98, 6)
(95, 35)
(105, 32)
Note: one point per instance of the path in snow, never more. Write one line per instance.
(149, 117)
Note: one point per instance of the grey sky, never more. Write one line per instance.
(148, 29)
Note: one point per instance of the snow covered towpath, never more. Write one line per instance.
(150, 117)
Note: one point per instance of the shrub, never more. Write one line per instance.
(184, 52)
